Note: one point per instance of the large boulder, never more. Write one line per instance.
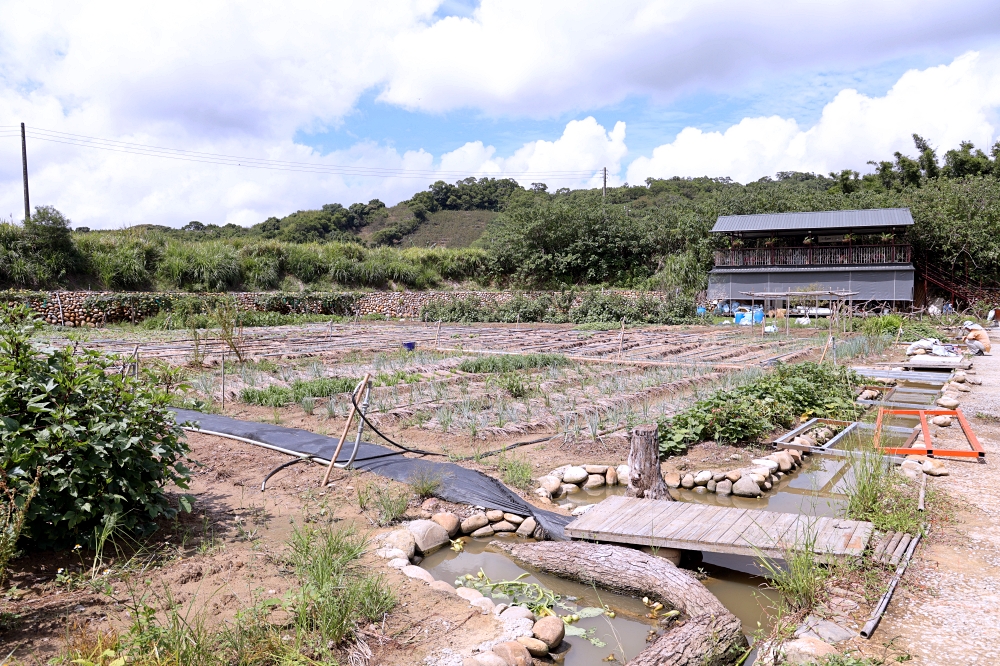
(771, 465)
(785, 462)
(527, 528)
(746, 487)
(611, 476)
(474, 522)
(550, 483)
(503, 526)
(514, 653)
(449, 521)
(550, 630)
(575, 475)
(734, 475)
(594, 481)
(483, 532)
(947, 402)
(401, 540)
(428, 535)
(687, 481)
(515, 612)
(623, 471)
(724, 487)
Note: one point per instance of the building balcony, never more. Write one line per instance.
(813, 255)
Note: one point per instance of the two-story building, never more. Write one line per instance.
(861, 252)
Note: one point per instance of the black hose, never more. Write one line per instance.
(421, 452)
(279, 468)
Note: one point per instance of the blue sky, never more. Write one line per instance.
(342, 101)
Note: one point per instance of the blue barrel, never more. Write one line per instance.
(701, 311)
(739, 317)
(758, 316)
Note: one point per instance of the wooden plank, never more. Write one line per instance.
(859, 541)
(887, 553)
(776, 533)
(723, 525)
(755, 535)
(700, 525)
(900, 549)
(655, 512)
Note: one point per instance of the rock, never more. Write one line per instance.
(484, 604)
(672, 479)
(702, 478)
(413, 571)
(550, 630)
(449, 522)
(515, 612)
(569, 488)
(391, 554)
(474, 522)
(575, 475)
(711, 486)
(941, 420)
(513, 653)
(724, 487)
(623, 471)
(483, 532)
(911, 469)
(961, 388)
(768, 485)
(934, 467)
(947, 402)
(596, 469)
(785, 462)
(795, 455)
(503, 526)
(468, 593)
(771, 465)
(580, 510)
(959, 377)
(687, 481)
(828, 631)
(558, 472)
(734, 475)
(543, 493)
(594, 481)
(428, 535)
(399, 563)
(494, 516)
(513, 518)
(487, 659)
(611, 476)
(718, 476)
(401, 540)
(550, 483)
(442, 586)
(806, 650)
(759, 479)
(527, 528)
(976, 381)
(746, 487)
(536, 648)
(429, 504)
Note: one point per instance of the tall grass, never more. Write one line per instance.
(511, 362)
(799, 576)
(876, 492)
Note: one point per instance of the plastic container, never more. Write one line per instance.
(739, 317)
(758, 316)
(701, 311)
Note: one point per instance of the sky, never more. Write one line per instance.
(237, 111)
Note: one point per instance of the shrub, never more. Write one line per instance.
(883, 325)
(106, 444)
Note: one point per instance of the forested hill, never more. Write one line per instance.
(648, 236)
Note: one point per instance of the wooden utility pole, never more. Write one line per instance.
(604, 192)
(24, 169)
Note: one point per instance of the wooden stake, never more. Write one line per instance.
(223, 381)
(621, 338)
(437, 338)
(825, 347)
(347, 427)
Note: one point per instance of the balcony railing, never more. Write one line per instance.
(864, 255)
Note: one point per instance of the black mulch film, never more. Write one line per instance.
(458, 484)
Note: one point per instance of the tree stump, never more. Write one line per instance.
(644, 477)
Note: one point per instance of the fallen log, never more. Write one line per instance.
(706, 635)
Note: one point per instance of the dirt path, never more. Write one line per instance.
(948, 610)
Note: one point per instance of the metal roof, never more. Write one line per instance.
(815, 221)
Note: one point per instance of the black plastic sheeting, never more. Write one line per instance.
(458, 484)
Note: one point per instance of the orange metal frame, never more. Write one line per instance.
(977, 449)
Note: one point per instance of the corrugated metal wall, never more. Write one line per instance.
(872, 284)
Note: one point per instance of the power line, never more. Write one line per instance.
(112, 145)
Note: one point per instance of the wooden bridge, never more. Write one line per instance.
(716, 529)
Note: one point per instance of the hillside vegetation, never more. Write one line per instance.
(496, 233)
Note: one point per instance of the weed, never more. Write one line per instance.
(308, 404)
(800, 580)
(515, 471)
(877, 493)
(13, 511)
(510, 363)
(424, 482)
(389, 505)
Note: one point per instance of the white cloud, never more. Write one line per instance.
(945, 104)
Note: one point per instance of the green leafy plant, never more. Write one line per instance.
(13, 511)
(106, 443)
(514, 471)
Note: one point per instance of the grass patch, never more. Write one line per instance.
(800, 580)
(279, 396)
(386, 504)
(876, 492)
(424, 482)
(511, 362)
(514, 471)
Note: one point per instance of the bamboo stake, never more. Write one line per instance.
(827, 346)
(923, 489)
(876, 617)
(223, 382)
(437, 338)
(347, 427)
(621, 339)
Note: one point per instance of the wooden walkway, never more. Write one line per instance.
(715, 529)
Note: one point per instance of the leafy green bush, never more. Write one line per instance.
(501, 363)
(106, 444)
(751, 411)
(883, 325)
(594, 307)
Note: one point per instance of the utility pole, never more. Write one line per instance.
(24, 167)
(604, 193)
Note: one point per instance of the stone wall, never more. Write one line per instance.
(96, 308)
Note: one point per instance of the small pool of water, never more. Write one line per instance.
(816, 488)
(726, 576)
